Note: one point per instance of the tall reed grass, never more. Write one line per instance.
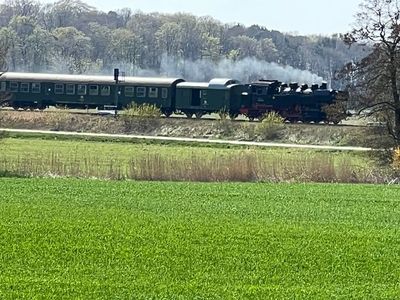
(246, 166)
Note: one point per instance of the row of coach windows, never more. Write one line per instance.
(24, 87)
(83, 89)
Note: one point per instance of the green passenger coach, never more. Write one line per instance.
(199, 98)
(31, 90)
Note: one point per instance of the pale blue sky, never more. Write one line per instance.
(303, 17)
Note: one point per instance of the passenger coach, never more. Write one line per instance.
(34, 90)
(218, 95)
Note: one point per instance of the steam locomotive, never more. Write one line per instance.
(292, 101)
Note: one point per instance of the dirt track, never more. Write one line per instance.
(185, 139)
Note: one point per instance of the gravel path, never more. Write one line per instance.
(182, 139)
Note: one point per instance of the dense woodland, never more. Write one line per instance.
(72, 37)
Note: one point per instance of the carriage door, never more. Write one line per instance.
(196, 96)
(48, 89)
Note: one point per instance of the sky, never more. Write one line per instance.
(302, 17)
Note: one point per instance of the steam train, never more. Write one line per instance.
(293, 102)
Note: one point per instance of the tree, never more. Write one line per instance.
(247, 46)
(67, 13)
(169, 39)
(125, 48)
(374, 79)
(9, 45)
(3, 63)
(40, 51)
(3, 68)
(74, 47)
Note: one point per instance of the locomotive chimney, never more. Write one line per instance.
(324, 85)
(294, 86)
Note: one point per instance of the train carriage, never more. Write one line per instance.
(218, 95)
(31, 90)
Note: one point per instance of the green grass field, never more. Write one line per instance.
(88, 239)
(175, 162)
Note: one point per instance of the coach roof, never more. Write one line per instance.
(88, 79)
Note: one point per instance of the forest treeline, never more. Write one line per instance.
(72, 37)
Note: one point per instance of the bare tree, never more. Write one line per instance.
(374, 79)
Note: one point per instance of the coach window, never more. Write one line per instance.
(93, 90)
(58, 88)
(164, 93)
(13, 86)
(141, 92)
(70, 89)
(105, 90)
(35, 87)
(129, 91)
(81, 89)
(24, 87)
(3, 86)
(153, 92)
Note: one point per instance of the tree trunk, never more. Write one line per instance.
(395, 96)
(396, 128)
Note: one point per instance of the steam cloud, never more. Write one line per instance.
(203, 70)
(246, 70)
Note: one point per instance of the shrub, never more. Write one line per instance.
(141, 117)
(142, 111)
(223, 114)
(271, 126)
(396, 158)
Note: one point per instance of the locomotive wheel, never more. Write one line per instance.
(251, 119)
(167, 113)
(188, 115)
(198, 114)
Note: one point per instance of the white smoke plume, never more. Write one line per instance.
(245, 70)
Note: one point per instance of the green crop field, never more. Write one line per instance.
(91, 239)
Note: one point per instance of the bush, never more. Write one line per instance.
(142, 111)
(143, 117)
(271, 126)
(223, 114)
(396, 158)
